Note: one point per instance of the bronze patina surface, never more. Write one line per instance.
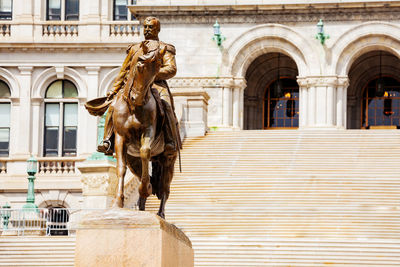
(141, 125)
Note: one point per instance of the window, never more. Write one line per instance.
(61, 119)
(5, 108)
(120, 11)
(6, 9)
(281, 104)
(62, 10)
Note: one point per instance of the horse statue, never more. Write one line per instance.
(139, 138)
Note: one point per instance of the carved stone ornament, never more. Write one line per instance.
(98, 184)
(188, 82)
(322, 81)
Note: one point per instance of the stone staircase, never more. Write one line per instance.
(37, 251)
(290, 198)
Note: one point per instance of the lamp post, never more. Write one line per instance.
(218, 38)
(6, 214)
(321, 36)
(31, 170)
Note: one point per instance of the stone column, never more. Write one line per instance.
(237, 105)
(321, 104)
(227, 107)
(303, 99)
(341, 102)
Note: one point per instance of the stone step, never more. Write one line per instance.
(252, 198)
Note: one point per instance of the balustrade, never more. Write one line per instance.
(124, 29)
(5, 29)
(57, 166)
(58, 29)
(3, 167)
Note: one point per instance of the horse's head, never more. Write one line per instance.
(147, 67)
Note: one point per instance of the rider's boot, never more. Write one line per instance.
(106, 146)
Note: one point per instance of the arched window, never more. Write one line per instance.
(381, 104)
(61, 119)
(5, 109)
(281, 104)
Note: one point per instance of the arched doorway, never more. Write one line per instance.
(281, 104)
(271, 98)
(374, 91)
(381, 104)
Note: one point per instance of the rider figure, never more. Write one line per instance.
(151, 28)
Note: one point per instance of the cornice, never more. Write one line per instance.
(64, 47)
(271, 13)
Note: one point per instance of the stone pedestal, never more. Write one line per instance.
(99, 183)
(191, 107)
(125, 238)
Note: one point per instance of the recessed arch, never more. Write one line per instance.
(362, 39)
(270, 38)
(108, 80)
(12, 82)
(48, 76)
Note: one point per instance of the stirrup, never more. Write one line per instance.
(103, 149)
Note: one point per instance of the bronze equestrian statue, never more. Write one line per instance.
(141, 125)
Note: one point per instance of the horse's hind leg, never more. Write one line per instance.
(120, 151)
(166, 179)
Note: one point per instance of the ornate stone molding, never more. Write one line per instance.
(270, 13)
(322, 81)
(195, 82)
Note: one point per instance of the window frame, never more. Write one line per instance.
(5, 17)
(7, 100)
(128, 18)
(63, 10)
(61, 123)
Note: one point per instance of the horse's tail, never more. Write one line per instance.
(156, 178)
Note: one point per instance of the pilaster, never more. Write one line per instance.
(91, 121)
(24, 125)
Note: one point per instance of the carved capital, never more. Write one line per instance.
(343, 81)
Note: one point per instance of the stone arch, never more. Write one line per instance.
(270, 38)
(362, 39)
(108, 80)
(11, 81)
(49, 75)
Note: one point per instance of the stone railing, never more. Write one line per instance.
(57, 166)
(60, 29)
(3, 166)
(124, 29)
(5, 29)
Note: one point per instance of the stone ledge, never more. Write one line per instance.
(129, 219)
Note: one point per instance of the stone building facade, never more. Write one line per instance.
(270, 73)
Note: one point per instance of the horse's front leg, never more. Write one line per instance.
(120, 151)
(145, 189)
